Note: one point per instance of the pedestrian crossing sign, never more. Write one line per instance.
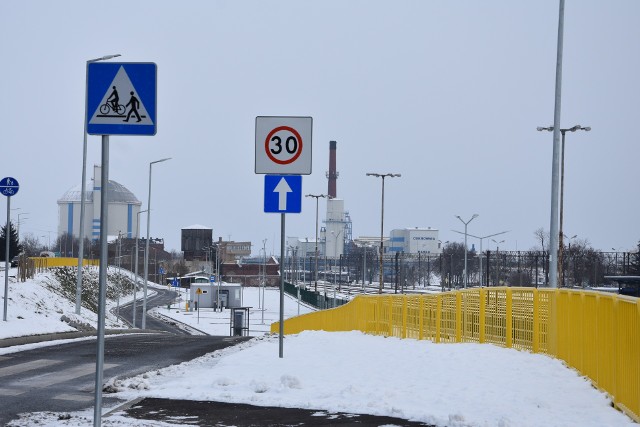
(121, 98)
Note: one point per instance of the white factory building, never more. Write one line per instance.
(123, 209)
(414, 241)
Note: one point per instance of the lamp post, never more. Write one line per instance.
(146, 252)
(560, 233)
(562, 272)
(135, 285)
(83, 185)
(383, 176)
(316, 196)
(481, 239)
(465, 244)
(18, 229)
(335, 252)
(497, 259)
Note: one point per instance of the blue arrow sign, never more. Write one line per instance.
(121, 98)
(9, 186)
(283, 193)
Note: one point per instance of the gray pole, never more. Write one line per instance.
(146, 256)
(6, 260)
(317, 197)
(83, 185)
(465, 255)
(102, 282)
(146, 252)
(135, 285)
(381, 237)
(383, 176)
(555, 178)
(465, 245)
(280, 340)
(560, 232)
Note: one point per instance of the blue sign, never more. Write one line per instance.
(283, 193)
(175, 282)
(212, 279)
(161, 270)
(121, 98)
(9, 186)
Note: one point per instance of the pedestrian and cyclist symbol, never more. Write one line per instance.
(118, 110)
(121, 99)
(9, 186)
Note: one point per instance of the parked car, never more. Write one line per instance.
(627, 285)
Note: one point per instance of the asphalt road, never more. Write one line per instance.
(62, 377)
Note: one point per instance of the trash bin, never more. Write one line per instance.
(237, 323)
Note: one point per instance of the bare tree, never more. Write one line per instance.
(542, 237)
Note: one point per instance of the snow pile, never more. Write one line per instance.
(446, 385)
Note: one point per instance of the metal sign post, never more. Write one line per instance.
(102, 281)
(283, 148)
(9, 187)
(108, 114)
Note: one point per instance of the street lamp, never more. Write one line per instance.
(562, 272)
(563, 132)
(135, 286)
(316, 196)
(83, 185)
(18, 229)
(481, 239)
(383, 176)
(465, 244)
(335, 252)
(497, 258)
(146, 252)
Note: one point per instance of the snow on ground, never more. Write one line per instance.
(451, 385)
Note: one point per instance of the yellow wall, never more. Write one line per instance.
(596, 333)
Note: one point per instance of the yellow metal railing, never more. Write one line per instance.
(48, 262)
(596, 333)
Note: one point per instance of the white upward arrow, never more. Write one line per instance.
(282, 189)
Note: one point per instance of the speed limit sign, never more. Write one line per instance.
(283, 145)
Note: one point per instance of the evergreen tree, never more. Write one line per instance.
(14, 245)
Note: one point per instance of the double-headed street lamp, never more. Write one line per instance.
(383, 176)
(563, 132)
(316, 196)
(83, 185)
(465, 244)
(146, 252)
(481, 253)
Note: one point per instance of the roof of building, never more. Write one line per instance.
(117, 193)
(197, 227)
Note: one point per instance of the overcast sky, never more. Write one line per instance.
(449, 94)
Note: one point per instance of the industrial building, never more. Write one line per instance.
(414, 241)
(122, 210)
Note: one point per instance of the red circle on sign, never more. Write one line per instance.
(268, 140)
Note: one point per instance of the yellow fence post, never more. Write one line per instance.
(458, 316)
(483, 308)
(438, 316)
(390, 316)
(421, 317)
(536, 322)
(404, 316)
(509, 320)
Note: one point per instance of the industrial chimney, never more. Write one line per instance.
(332, 175)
